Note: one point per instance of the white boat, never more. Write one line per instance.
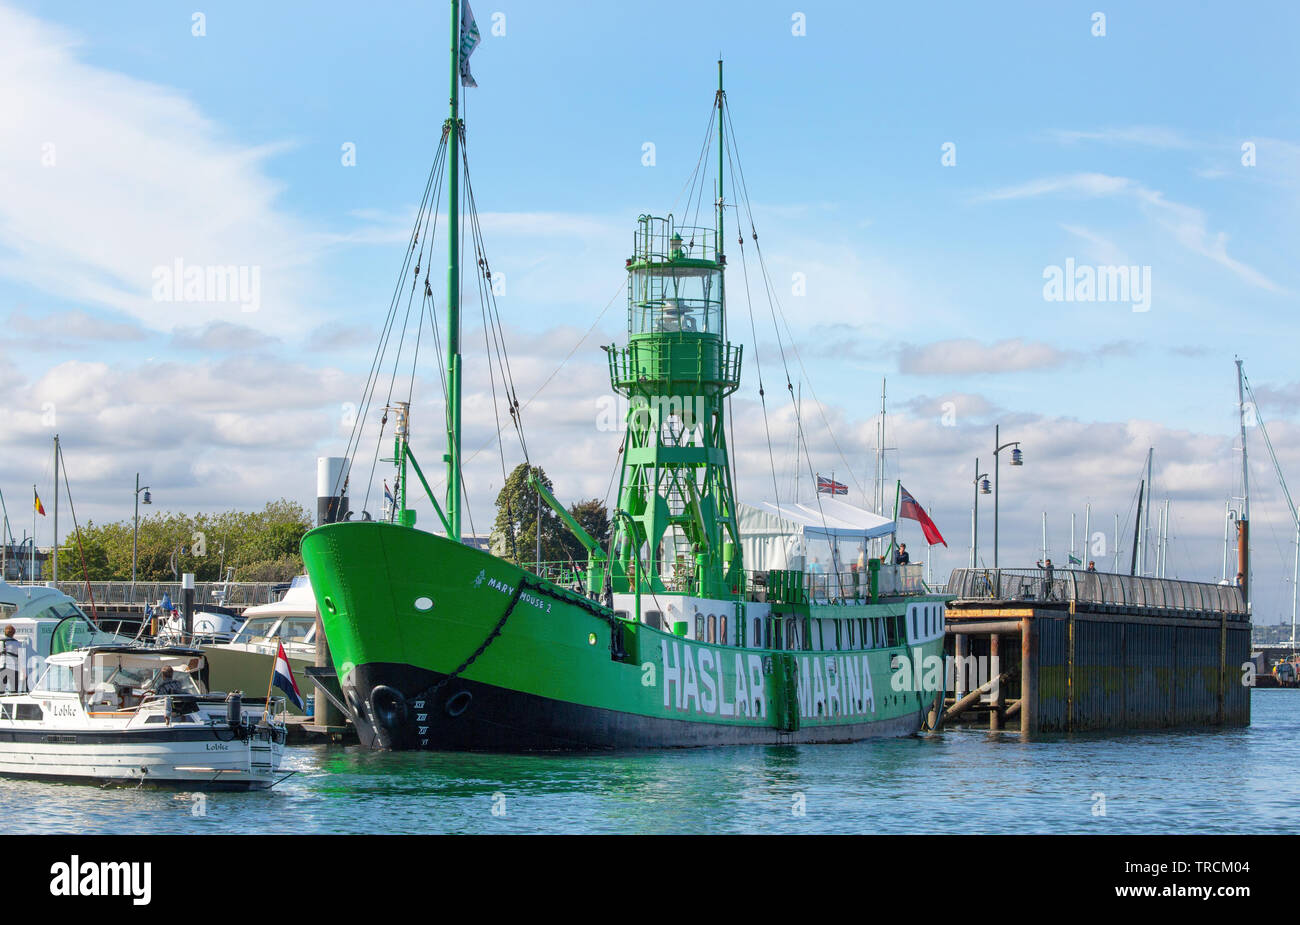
(33, 612)
(96, 714)
(245, 661)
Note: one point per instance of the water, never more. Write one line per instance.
(963, 781)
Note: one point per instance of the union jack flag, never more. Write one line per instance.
(827, 486)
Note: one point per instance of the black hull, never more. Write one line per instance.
(469, 715)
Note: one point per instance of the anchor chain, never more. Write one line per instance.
(524, 583)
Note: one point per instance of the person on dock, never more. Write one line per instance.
(1092, 566)
(1046, 566)
(901, 557)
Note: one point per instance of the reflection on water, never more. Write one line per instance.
(961, 781)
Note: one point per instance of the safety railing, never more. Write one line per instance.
(1095, 588)
(849, 587)
(233, 594)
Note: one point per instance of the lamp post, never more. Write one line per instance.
(1016, 460)
(975, 524)
(135, 533)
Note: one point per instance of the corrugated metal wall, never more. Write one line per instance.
(1137, 674)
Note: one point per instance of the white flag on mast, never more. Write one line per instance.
(469, 39)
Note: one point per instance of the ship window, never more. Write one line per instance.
(653, 619)
(713, 628)
(699, 627)
(621, 614)
(28, 711)
(722, 630)
(5, 712)
(776, 635)
(853, 643)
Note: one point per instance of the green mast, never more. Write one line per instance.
(675, 526)
(453, 286)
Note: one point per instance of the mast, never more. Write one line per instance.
(1146, 518)
(1243, 520)
(1295, 577)
(453, 285)
(56, 508)
(721, 152)
(1137, 528)
(1087, 543)
(1115, 567)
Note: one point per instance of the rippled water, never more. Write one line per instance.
(961, 781)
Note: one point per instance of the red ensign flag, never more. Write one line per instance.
(910, 508)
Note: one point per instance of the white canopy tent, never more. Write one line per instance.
(775, 536)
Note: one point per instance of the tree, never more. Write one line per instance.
(514, 533)
(260, 545)
(593, 517)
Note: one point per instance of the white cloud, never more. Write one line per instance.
(104, 177)
(965, 356)
(1186, 224)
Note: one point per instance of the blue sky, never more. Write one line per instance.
(1122, 149)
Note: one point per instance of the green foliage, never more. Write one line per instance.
(593, 517)
(514, 533)
(260, 545)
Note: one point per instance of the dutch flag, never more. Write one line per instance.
(283, 677)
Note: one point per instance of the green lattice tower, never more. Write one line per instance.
(675, 526)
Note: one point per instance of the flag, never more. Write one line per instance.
(911, 509)
(40, 508)
(283, 677)
(388, 495)
(469, 39)
(1075, 560)
(827, 486)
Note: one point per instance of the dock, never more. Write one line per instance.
(1070, 651)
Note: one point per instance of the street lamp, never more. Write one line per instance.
(135, 533)
(1017, 459)
(980, 488)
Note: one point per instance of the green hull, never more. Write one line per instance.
(441, 646)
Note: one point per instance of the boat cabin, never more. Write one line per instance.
(120, 679)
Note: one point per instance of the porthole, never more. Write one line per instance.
(423, 603)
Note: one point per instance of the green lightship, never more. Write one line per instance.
(667, 639)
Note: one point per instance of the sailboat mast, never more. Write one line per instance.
(453, 285)
(1243, 521)
(56, 508)
(1295, 577)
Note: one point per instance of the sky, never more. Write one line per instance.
(918, 176)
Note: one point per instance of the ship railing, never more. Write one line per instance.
(1101, 589)
(843, 587)
(660, 239)
(561, 572)
(713, 362)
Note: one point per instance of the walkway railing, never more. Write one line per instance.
(1095, 588)
(238, 594)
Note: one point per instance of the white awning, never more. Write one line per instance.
(772, 535)
(830, 518)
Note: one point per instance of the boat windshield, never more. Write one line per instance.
(119, 681)
(287, 629)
